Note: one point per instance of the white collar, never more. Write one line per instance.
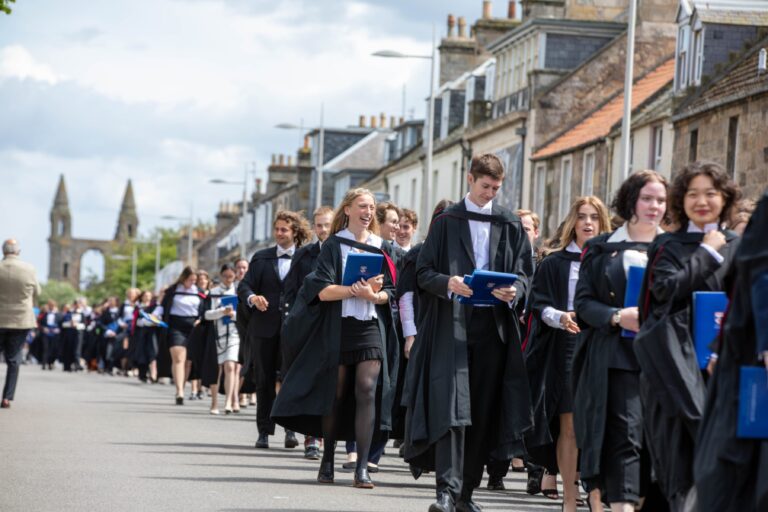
(622, 234)
(693, 228)
(472, 207)
(289, 251)
(372, 239)
(572, 247)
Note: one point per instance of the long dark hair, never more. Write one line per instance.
(721, 181)
(188, 271)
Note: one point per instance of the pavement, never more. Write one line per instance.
(95, 442)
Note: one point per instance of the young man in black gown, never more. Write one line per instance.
(466, 387)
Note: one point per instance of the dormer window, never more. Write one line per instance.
(683, 39)
(698, 55)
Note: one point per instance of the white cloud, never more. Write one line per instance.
(17, 62)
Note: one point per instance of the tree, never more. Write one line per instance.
(60, 291)
(5, 6)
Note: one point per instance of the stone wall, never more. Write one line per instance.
(604, 10)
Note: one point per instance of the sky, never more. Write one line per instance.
(174, 93)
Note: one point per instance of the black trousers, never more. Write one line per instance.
(267, 364)
(622, 445)
(11, 341)
(449, 462)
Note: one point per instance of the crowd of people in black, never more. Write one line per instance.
(557, 374)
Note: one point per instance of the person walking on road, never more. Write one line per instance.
(19, 290)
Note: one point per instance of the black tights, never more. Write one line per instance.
(366, 377)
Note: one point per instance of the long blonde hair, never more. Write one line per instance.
(568, 231)
(341, 219)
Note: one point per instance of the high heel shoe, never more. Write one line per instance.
(325, 475)
(362, 479)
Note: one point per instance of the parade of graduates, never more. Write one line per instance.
(482, 349)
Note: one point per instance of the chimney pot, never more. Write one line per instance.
(274, 159)
(361, 123)
(462, 27)
(290, 161)
(451, 24)
(306, 142)
(512, 11)
(402, 120)
(392, 121)
(258, 185)
(382, 120)
(281, 160)
(373, 121)
(487, 9)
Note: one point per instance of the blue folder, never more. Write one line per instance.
(361, 265)
(753, 403)
(228, 300)
(632, 293)
(708, 311)
(483, 282)
(153, 318)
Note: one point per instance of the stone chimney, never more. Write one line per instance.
(451, 24)
(290, 161)
(487, 10)
(383, 120)
(552, 10)
(374, 122)
(281, 160)
(462, 27)
(488, 29)
(392, 121)
(361, 123)
(457, 54)
(512, 10)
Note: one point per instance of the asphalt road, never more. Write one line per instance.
(92, 442)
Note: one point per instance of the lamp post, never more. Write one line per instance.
(320, 153)
(626, 123)
(426, 191)
(243, 211)
(189, 231)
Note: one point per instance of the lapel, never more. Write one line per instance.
(493, 245)
(275, 267)
(614, 272)
(465, 236)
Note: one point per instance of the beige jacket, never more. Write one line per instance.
(18, 293)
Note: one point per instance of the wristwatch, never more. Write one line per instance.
(616, 317)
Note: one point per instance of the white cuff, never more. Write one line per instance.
(711, 250)
(552, 317)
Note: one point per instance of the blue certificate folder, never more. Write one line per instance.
(228, 300)
(361, 265)
(632, 293)
(753, 403)
(708, 311)
(483, 283)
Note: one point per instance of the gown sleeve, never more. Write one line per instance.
(588, 308)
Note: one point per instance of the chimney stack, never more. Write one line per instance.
(451, 24)
(462, 27)
(512, 11)
(392, 121)
(290, 161)
(373, 121)
(306, 143)
(258, 185)
(383, 120)
(281, 160)
(361, 123)
(487, 9)
(402, 120)
(274, 159)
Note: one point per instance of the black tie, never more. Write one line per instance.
(285, 257)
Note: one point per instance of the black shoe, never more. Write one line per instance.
(495, 483)
(444, 503)
(325, 475)
(373, 468)
(362, 479)
(290, 439)
(262, 441)
(467, 506)
(535, 474)
(179, 400)
(312, 453)
(398, 443)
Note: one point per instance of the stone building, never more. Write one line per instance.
(725, 120)
(66, 252)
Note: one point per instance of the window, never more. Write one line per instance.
(693, 150)
(397, 194)
(588, 174)
(65, 271)
(565, 187)
(413, 193)
(62, 228)
(130, 230)
(656, 147)
(698, 55)
(682, 57)
(733, 136)
(540, 188)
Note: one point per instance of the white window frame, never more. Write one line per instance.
(540, 188)
(566, 175)
(681, 59)
(588, 173)
(698, 55)
(414, 188)
(658, 147)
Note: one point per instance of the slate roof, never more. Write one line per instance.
(598, 124)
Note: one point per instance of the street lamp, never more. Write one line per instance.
(320, 155)
(243, 211)
(427, 181)
(189, 231)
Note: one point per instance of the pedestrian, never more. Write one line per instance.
(551, 342)
(606, 408)
(262, 289)
(241, 268)
(466, 388)
(143, 338)
(341, 338)
(19, 290)
(49, 322)
(691, 259)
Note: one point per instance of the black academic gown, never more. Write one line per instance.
(600, 346)
(203, 337)
(311, 339)
(732, 473)
(436, 390)
(545, 345)
(671, 384)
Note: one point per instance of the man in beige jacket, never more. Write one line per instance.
(18, 293)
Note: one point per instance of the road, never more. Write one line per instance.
(93, 442)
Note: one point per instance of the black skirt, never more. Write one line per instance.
(564, 360)
(360, 341)
(179, 329)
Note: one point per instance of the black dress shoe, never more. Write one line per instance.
(179, 400)
(495, 483)
(325, 475)
(312, 453)
(467, 506)
(362, 479)
(290, 439)
(444, 503)
(262, 441)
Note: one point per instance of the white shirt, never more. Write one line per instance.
(284, 264)
(360, 309)
(631, 258)
(407, 315)
(693, 228)
(226, 331)
(552, 316)
(481, 233)
(406, 249)
(183, 305)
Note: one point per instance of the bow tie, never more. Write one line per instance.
(284, 253)
(285, 256)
